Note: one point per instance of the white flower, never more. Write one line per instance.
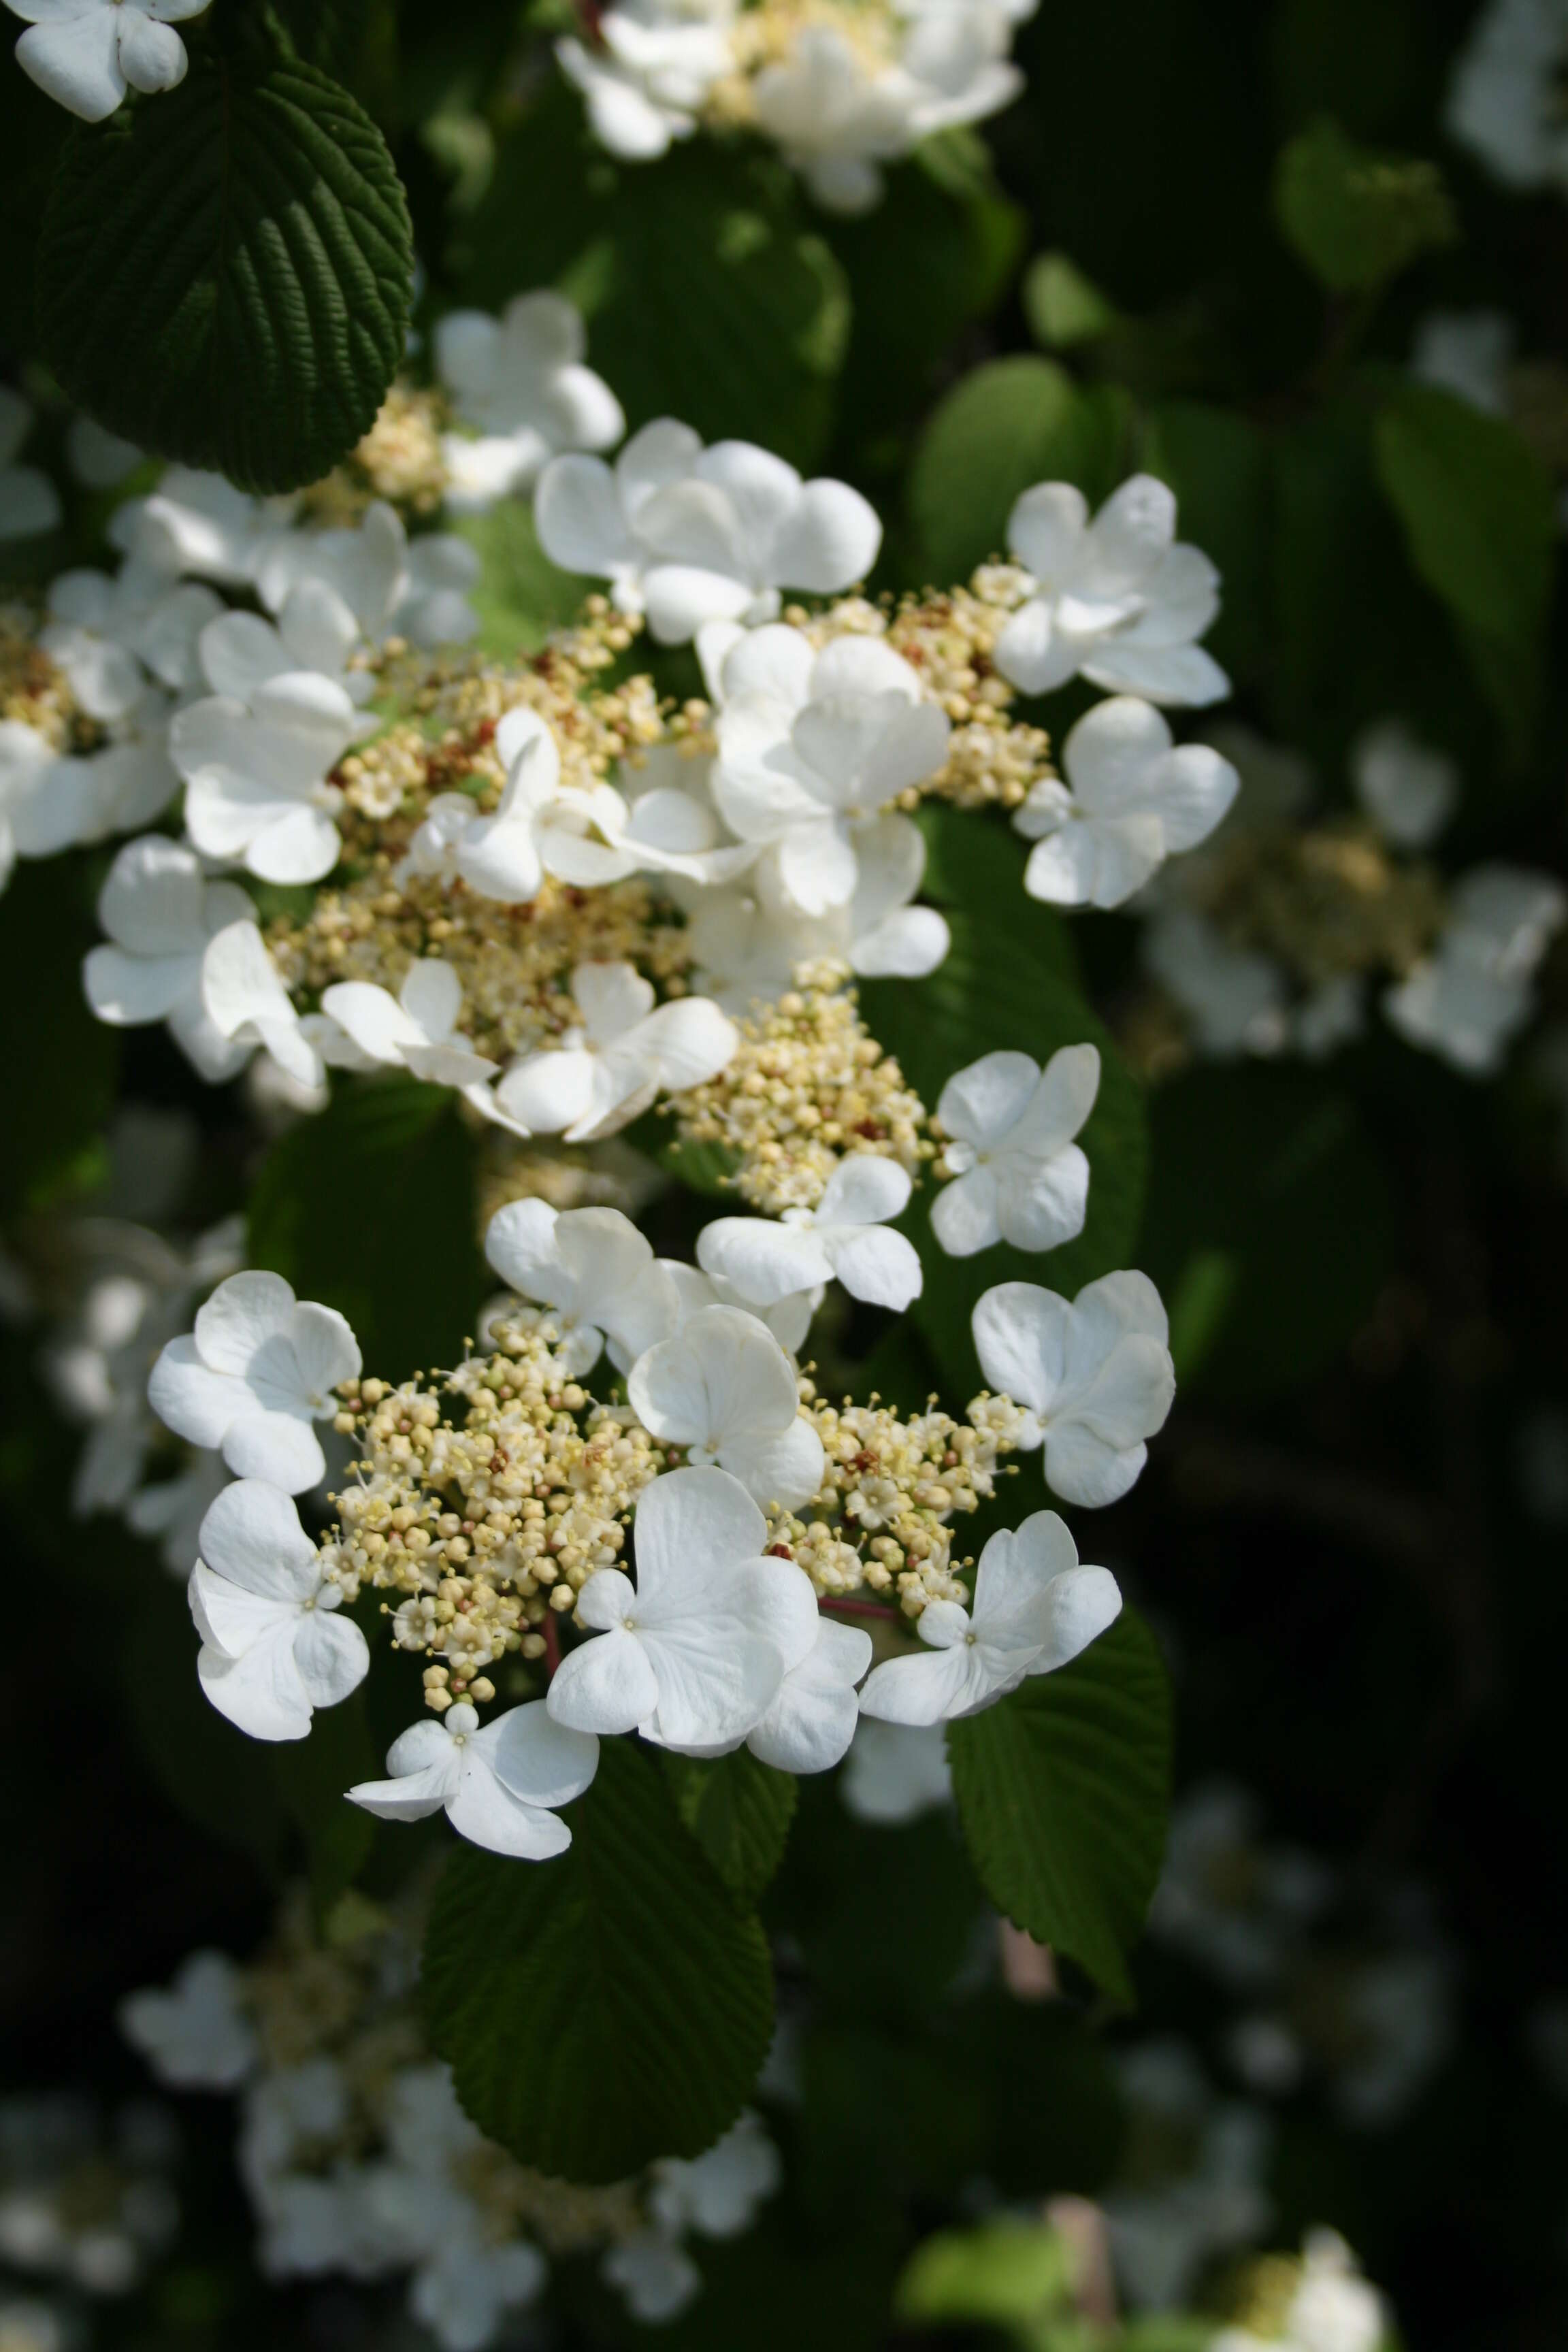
(667, 823)
(836, 118)
(1504, 100)
(196, 2036)
(604, 1074)
(161, 912)
(654, 67)
(85, 636)
(415, 1030)
(256, 775)
(499, 1786)
(896, 1771)
(809, 1726)
(748, 939)
(1116, 600)
(86, 54)
(247, 1003)
(1095, 1378)
(789, 1319)
(1200, 2192)
(538, 827)
(199, 523)
(1016, 1174)
(694, 1653)
(717, 2193)
(46, 801)
(845, 1235)
(724, 1387)
(1233, 997)
(258, 1369)
(519, 382)
(315, 632)
(464, 2292)
(1408, 792)
(594, 1273)
(812, 747)
(393, 585)
(273, 1649)
(1135, 799)
(29, 501)
(657, 2277)
(691, 534)
(172, 1512)
(1035, 1609)
(1332, 2309)
(1472, 995)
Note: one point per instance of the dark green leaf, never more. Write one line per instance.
(1064, 1793)
(1357, 217)
(739, 1810)
(249, 309)
(62, 1069)
(1479, 518)
(1217, 464)
(1061, 305)
(1013, 423)
(370, 1207)
(313, 1775)
(606, 2008)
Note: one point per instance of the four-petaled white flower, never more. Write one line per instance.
(689, 534)
(393, 586)
(255, 774)
(499, 1787)
(258, 1369)
(519, 382)
(1116, 600)
(748, 939)
(415, 1030)
(1016, 1174)
(1035, 1609)
(1135, 799)
(812, 747)
(195, 2035)
(314, 631)
(846, 1235)
(273, 1646)
(594, 1273)
(724, 1387)
(160, 913)
(1503, 101)
(717, 2193)
(605, 1073)
(789, 1319)
(1469, 998)
(695, 1652)
(85, 636)
(656, 65)
(1095, 1379)
(538, 827)
(86, 54)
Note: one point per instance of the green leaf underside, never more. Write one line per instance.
(1357, 217)
(225, 271)
(739, 1810)
(606, 2008)
(1063, 1790)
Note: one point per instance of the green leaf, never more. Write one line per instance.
(1479, 519)
(739, 1810)
(1007, 2272)
(1355, 216)
(248, 311)
(1064, 1793)
(1062, 305)
(1217, 463)
(370, 1207)
(1011, 424)
(62, 1068)
(1002, 986)
(607, 2008)
(520, 595)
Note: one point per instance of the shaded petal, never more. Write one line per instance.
(1041, 1205)
(693, 1520)
(190, 1397)
(829, 541)
(810, 1723)
(251, 1537)
(606, 1686)
(261, 1692)
(964, 1216)
(763, 1260)
(864, 1189)
(332, 1655)
(879, 1267)
(785, 1466)
(1021, 1336)
(128, 990)
(1045, 530)
(538, 1759)
(983, 1103)
(276, 1448)
(240, 1317)
(487, 1814)
(409, 1797)
(930, 1688)
(1031, 653)
(577, 514)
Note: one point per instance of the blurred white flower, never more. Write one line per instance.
(197, 2035)
(519, 383)
(604, 1074)
(1409, 793)
(258, 1369)
(847, 1236)
(1132, 798)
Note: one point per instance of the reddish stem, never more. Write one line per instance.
(856, 1609)
(551, 1643)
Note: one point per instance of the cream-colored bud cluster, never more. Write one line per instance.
(1327, 901)
(346, 1994)
(808, 1087)
(399, 460)
(880, 1520)
(608, 1175)
(485, 1504)
(33, 691)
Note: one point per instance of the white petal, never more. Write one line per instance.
(240, 1317)
(577, 513)
(880, 1267)
(606, 1686)
(409, 1797)
(964, 1215)
(1046, 528)
(809, 1726)
(763, 1261)
(487, 1814)
(195, 1402)
(785, 1466)
(262, 1691)
(332, 1655)
(252, 1537)
(864, 1189)
(831, 540)
(922, 1690)
(693, 1520)
(276, 1449)
(983, 1103)
(1020, 1337)
(537, 1759)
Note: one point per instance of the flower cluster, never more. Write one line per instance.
(358, 2161)
(841, 91)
